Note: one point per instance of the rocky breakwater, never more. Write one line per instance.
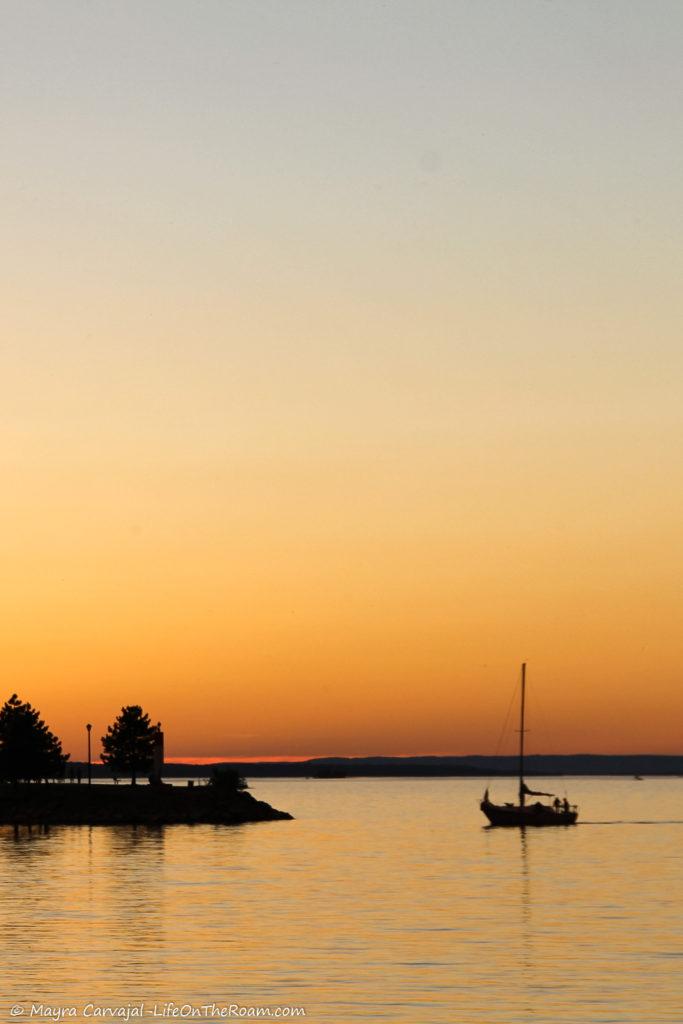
(66, 804)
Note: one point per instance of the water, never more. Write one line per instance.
(385, 900)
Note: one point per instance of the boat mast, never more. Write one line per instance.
(521, 738)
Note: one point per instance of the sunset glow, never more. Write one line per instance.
(341, 374)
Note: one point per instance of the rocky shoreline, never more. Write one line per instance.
(66, 804)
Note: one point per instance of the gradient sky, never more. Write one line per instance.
(341, 371)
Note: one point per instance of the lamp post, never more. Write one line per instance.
(89, 728)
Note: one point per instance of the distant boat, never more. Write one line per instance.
(638, 778)
(537, 814)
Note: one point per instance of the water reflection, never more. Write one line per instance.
(136, 895)
(383, 900)
(528, 956)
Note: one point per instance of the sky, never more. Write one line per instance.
(341, 371)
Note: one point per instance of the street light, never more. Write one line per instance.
(89, 728)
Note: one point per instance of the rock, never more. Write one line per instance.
(66, 804)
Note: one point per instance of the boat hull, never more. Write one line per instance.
(532, 815)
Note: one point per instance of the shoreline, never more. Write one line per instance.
(62, 803)
(472, 766)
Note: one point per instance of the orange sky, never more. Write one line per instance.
(334, 389)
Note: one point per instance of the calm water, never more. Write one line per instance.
(383, 900)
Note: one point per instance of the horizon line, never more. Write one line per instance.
(300, 758)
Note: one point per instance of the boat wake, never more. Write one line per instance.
(660, 821)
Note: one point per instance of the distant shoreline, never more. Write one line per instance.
(473, 766)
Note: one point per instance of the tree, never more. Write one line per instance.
(227, 780)
(129, 743)
(28, 750)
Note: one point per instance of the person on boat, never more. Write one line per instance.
(565, 806)
(557, 803)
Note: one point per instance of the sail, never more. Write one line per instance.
(534, 792)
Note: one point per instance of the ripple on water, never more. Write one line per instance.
(383, 900)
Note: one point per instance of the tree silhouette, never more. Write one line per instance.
(28, 750)
(227, 780)
(129, 743)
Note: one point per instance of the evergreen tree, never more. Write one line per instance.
(129, 743)
(28, 750)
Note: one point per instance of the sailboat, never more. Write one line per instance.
(536, 814)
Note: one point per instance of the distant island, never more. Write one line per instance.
(432, 766)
